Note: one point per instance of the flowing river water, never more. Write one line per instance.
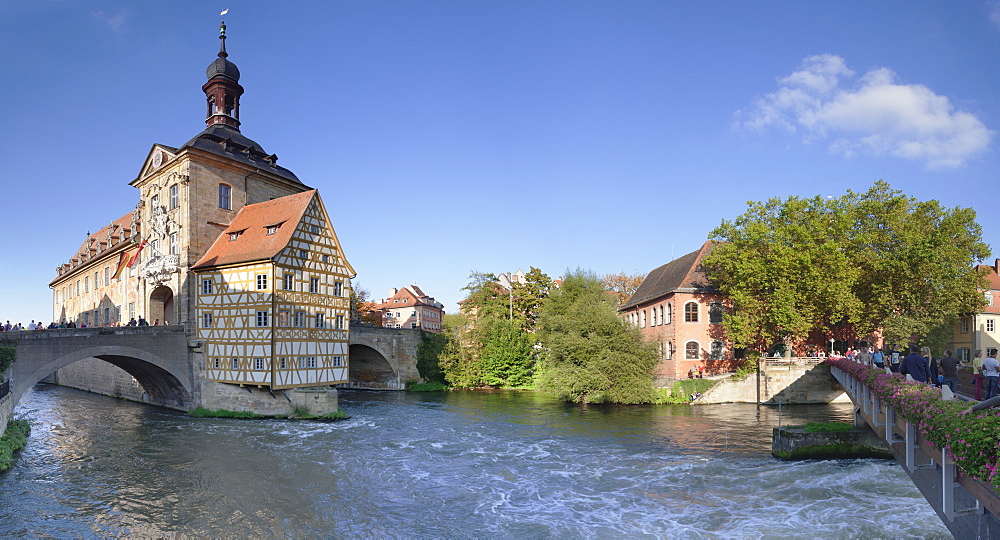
(443, 465)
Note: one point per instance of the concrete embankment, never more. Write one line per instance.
(793, 381)
(795, 442)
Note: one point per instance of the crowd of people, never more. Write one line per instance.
(8, 327)
(922, 367)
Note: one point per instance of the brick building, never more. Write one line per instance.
(409, 307)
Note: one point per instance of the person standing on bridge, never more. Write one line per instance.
(915, 366)
(977, 375)
(949, 370)
(865, 357)
(878, 358)
(991, 372)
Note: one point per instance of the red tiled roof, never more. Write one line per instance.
(253, 242)
(684, 272)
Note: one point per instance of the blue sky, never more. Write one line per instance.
(447, 137)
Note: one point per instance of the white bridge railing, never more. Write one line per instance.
(957, 496)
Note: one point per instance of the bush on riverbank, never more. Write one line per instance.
(433, 386)
(7, 356)
(681, 391)
(14, 439)
(973, 439)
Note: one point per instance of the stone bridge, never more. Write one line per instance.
(168, 365)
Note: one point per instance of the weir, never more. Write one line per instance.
(968, 507)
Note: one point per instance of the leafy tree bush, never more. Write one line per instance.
(428, 355)
(7, 356)
(14, 439)
(590, 355)
(880, 261)
(506, 356)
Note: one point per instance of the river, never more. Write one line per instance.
(443, 465)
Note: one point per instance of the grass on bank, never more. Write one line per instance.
(14, 439)
(298, 413)
(681, 391)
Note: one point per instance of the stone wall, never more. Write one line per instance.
(780, 384)
(99, 377)
(317, 401)
(6, 411)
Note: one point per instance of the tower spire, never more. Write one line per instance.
(223, 90)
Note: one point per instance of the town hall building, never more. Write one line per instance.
(229, 244)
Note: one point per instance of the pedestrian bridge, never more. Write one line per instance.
(167, 363)
(968, 507)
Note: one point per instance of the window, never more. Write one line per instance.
(314, 229)
(338, 288)
(154, 245)
(107, 276)
(217, 363)
(326, 258)
(283, 318)
(310, 361)
(314, 285)
(989, 298)
(340, 322)
(261, 282)
(261, 318)
(990, 325)
(174, 199)
(206, 286)
(154, 201)
(282, 363)
(338, 361)
(668, 349)
(300, 319)
(965, 325)
(413, 325)
(662, 319)
(652, 316)
(320, 322)
(272, 229)
(86, 284)
(288, 281)
(234, 235)
(302, 254)
(225, 193)
(963, 355)
(715, 312)
(718, 350)
(258, 363)
(691, 350)
(236, 364)
(131, 310)
(107, 316)
(174, 246)
(642, 318)
(302, 362)
(206, 320)
(691, 312)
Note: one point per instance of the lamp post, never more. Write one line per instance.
(831, 346)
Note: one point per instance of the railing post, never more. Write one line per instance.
(949, 476)
(911, 446)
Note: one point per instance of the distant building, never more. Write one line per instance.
(677, 307)
(979, 331)
(409, 307)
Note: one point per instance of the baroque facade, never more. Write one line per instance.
(229, 244)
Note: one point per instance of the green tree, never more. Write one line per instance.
(429, 351)
(506, 355)
(530, 297)
(878, 260)
(487, 298)
(590, 355)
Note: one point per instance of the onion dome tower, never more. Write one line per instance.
(223, 89)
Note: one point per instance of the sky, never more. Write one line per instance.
(448, 137)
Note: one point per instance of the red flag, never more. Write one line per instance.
(135, 256)
(122, 263)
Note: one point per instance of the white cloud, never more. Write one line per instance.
(877, 116)
(995, 14)
(114, 22)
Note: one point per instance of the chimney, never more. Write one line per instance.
(996, 265)
(392, 292)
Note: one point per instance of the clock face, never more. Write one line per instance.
(157, 158)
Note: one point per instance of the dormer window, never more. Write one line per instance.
(271, 229)
(233, 235)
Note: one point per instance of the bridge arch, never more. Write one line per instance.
(369, 368)
(163, 383)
